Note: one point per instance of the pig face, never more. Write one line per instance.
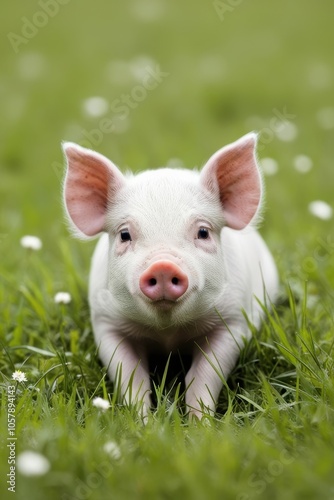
(165, 260)
(165, 257)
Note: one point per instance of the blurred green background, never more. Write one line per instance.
(225, 68)
(150, 83)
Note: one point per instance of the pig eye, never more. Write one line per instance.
(125, 235)
(203, 233)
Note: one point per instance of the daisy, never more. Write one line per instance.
(19, 376)
(62, 298)
(269, 166)
(112, 449)
(101, 403)
(321, 209)
(31, 463)
(287, 131)
(31, 242)
(303, 163)
(95, 106)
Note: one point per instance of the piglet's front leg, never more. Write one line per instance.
(214, 357)
(126, 364)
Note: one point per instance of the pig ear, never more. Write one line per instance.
(90, 182)
(232, 173)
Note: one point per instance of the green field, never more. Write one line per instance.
(175, 81)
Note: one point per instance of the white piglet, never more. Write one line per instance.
(175, 268)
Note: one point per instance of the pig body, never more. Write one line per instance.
(177, 267)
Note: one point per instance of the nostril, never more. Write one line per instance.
(163, 280)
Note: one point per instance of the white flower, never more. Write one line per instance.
(101, 403)
(32, 65)
(269, 166)
(62, 298)
(31, 463)
(31, 242)
(19, 376)
(302, 163)
(140, 67)
(320, 75)
(112, 449)
(95, 106)
(321, 209)
(286, 131)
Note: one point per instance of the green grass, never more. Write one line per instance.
(273, 434)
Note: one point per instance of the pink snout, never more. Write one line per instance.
(163, 280)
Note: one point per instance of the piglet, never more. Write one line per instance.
(178, 265)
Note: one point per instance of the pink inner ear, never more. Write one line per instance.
(87, 187)
(234, 169)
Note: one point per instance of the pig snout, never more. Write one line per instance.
(163, 280)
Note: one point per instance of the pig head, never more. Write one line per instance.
(175, 268)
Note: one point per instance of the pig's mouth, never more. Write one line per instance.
(164, 304)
